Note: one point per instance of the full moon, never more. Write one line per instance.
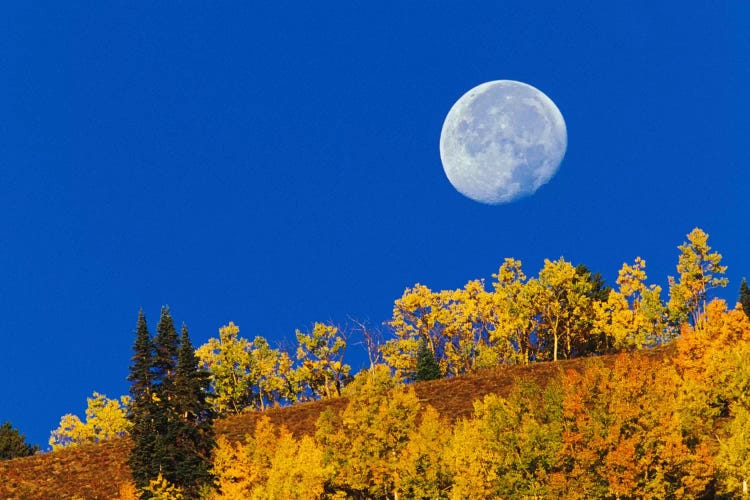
(501, 141)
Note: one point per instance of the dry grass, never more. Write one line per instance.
(98, 471)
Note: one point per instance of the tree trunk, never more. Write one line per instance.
(554, 358)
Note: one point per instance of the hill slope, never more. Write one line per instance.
(98, 471)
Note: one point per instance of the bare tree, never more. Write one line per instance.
(372, 339)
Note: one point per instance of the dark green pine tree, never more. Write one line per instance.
(164, 368)
(172, 419)
(13, 444)
(166, 347)
(141, 412)
(744, 298)
(191, 429)
(427, 366)
(141, 377)
(599, 289)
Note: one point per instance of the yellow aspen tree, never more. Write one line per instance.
(415, 320)
(230, 366)
(700, 270)
(365, 444)
(296, 471)
(232, 470)
(561, 302)
(466, 319)
(512, 314)
(455, 316)
(509, 448)
(733, 459)
(422, 470)
(622, 435)
(649, 314)
(321, 352)
(714, 362)
(271, 371)
(707, 366)
(472, 462)
(614, 321)
(632, 317)
(105, 419)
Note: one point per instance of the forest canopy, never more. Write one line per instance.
(634, 427)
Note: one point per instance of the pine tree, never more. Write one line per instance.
(166, 347)
(142, 461)
(141, 377)
(744, 298)
(192, 427)
(599, 289)
(427, 366)
(164, 367)
(172, 421)
(13, 444)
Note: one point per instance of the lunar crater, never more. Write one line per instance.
(502, 140)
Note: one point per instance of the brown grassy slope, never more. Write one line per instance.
(98, 471)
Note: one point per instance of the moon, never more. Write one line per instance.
(501, 141)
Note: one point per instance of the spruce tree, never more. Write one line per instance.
(599, 289)
(141, 377)
(744, 298)
(166, 347)
(192, 427)
(427, 366)
(172, 420)
(142, 463)
(13, 444)
(164, 368)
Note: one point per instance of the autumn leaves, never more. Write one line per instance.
(662, 424)
(563, 312)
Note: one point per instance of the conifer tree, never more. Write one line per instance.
(166, 347)
(599, 288)
(172, 421)
(142, 407)
(13, 444)
(164, 368)
(192, 427)
(427, 366)
(744, 298)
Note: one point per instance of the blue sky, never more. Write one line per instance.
(274, 164)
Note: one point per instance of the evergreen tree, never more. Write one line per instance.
(166, 347)
(13, 444)
(142, 461)
(427, 366)
(744, 298)
(192, 427)
(141, 376)
(599, 289)
(172, 421)
(164, 368)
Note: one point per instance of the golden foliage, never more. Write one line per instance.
(105, 419)
(161, 489)
(269, 464)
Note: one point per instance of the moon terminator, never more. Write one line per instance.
(501, 141)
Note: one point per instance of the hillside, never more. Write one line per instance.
(97, 471)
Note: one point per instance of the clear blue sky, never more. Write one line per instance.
(275, 164)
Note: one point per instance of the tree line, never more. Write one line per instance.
(565, 311)
(635, 427)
